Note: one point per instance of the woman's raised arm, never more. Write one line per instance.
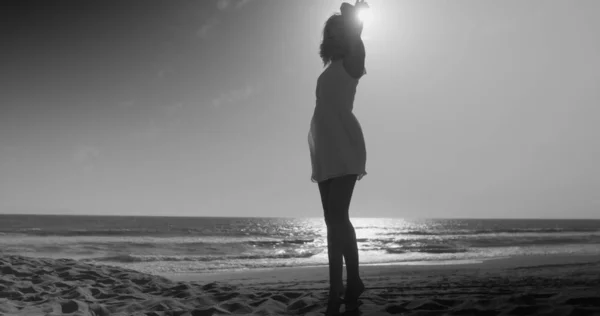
(354, 61)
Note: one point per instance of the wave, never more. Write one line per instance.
(149, 232)
(511, 242)
(218, 232)
(492, 231)
(129, 258)
(280, 242)
(95, 232)
(457, 244)
(432, 250)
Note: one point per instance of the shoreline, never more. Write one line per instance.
(316, 273)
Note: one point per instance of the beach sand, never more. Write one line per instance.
(547, 285)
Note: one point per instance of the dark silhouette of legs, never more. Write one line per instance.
(336, 195)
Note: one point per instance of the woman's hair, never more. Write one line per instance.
(333, 47)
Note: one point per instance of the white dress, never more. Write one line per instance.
(336, 141)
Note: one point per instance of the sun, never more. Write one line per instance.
(365, 15)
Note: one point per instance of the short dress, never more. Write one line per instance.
(336, 140)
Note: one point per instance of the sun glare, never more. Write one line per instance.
(365, 15)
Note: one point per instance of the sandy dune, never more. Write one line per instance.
(548, 286)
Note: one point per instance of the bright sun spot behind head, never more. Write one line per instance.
(365, 15)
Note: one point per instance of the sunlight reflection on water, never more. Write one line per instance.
(210, 244)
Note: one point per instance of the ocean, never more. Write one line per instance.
(161, 245)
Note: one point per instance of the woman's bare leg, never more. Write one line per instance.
(336, 283)
(341, 236)
(341, 194)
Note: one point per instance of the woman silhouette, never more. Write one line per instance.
(337, 148)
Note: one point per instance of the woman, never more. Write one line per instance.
(337, 148)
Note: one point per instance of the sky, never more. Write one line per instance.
(470, 108)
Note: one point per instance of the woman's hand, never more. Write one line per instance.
(361, 5)
(353, 23)
(349, 10)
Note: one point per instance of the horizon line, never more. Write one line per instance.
(301, 217)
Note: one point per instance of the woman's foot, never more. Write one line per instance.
(353, 294)
(333, 307)
(336, 299)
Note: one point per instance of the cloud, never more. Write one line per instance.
(207, 27)
(222, 6)
(163, 72)
(127, 104)
(149, 130)
(234, 96)
(86, 154)
(171, 109)
(241, 3)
